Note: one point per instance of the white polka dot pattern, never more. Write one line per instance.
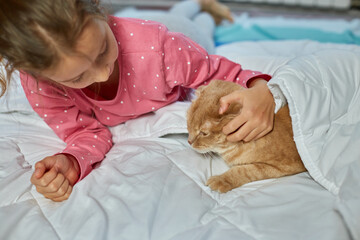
(154, 66)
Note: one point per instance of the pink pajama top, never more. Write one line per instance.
(155, 65)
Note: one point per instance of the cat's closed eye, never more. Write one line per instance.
(203, 134)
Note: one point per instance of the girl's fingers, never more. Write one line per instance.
(60, 189)
(234, 125)
(42, 166)
(240, 134)
(53, 187)
(248, 132)
(226, 100)
(252, 135)
(223, 107)
(39, 170)
(263, 133)
(45, 179)
(65, 196)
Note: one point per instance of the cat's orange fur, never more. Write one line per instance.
(272, 156)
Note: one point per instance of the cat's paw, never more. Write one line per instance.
(219, 183)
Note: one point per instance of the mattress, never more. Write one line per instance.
(151, 185)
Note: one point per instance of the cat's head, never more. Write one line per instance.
(204, 122)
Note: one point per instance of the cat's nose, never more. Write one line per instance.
(189, 142)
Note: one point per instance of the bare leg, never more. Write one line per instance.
(217, 10)
(206, 23)
(188, 9)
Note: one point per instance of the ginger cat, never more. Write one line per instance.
(272, 156)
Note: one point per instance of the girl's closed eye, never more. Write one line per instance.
(100, 57)
(77, 80)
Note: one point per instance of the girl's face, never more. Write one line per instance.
(95, 63)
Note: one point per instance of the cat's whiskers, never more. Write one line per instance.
(202, 151)
(209, 156)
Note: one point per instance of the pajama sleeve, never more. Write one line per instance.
(278, 95)
(187, 64)
(86, 139)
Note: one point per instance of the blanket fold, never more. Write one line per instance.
(322, 90)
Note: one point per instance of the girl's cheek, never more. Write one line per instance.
(114, 50)
(114, 53)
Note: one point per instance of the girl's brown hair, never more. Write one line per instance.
(35, 33)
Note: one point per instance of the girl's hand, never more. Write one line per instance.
(256, 118)
(54, 176)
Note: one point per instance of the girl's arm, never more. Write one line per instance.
(187, 64)
(87, 140)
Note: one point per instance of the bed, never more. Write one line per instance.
(151, 185)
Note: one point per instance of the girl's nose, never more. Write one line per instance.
(103, 73)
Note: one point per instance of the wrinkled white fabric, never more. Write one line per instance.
(323, 92)
(151, 184)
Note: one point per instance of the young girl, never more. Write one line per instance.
(83, 71)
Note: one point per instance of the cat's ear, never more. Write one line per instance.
(234, 108)
(231, 112)
(226, 118)
(199, 90)
(207, 124)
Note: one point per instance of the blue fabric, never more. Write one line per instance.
(236, 32)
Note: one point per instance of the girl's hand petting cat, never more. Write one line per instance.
(54, 176)
(256, 118)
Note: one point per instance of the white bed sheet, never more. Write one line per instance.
(151, 184)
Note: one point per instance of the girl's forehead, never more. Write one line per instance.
(86, 51)
(92, 36)
(68, 68)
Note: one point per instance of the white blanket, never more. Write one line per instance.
(323, 92)
(151, 184)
